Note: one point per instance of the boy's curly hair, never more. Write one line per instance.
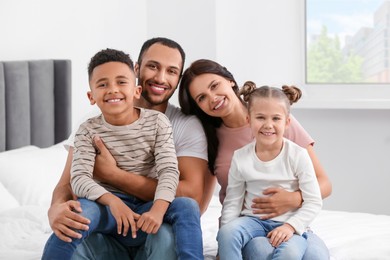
(109, 55)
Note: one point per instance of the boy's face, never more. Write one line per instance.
(159, 73)
(113, 88)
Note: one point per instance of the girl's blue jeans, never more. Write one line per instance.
(235, 235)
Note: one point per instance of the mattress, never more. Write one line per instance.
(29, 174)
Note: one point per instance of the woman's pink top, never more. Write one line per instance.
(230, 139)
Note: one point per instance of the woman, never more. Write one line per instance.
(209, 91)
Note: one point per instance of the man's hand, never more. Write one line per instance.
(64, 219)
(104, 161)
(277, 202)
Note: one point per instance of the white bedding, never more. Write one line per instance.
(28, 176)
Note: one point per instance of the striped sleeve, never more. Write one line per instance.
(166, 160)
(84, 153)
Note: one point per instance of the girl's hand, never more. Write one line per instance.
(277, 202)
(280, 234)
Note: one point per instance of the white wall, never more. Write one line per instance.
(75, 30)
(257, 40)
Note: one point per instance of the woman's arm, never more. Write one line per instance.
(322, 177)
(279, 201)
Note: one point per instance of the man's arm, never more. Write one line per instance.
(62, 216)
(209, 187)
(193, 176)
(193, 172)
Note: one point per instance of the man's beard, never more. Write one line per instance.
(154, 102)
(146, 96)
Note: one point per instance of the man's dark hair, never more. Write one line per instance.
(164, 41)
(109, 55)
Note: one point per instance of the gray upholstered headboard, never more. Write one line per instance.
(35, 103)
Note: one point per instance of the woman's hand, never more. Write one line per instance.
(276, 202)
(64, 219)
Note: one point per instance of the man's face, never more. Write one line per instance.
(159, 73)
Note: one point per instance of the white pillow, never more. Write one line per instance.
(7, 200)
(30, 175)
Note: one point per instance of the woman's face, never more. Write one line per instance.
(213, 94)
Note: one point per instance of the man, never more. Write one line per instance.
(158, 70)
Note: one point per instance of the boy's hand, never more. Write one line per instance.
(280, 234)
(124, 216)
(150, 221)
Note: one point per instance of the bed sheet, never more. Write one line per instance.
(28, 176)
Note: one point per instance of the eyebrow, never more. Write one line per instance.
(156, 62)
(105, 79)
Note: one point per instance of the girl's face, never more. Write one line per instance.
(213, 94)
(268, 120)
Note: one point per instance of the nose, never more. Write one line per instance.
(160, 76)
(268, 123)
(113, 88)
(213, 97)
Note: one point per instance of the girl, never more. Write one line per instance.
(270, 160)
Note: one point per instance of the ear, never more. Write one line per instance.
(232, 83)
(288, 121)
(137, 91)
(248, 119)
(90, 97)
(136, 69)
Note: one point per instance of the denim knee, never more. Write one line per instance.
(316, 248)
(161, 244)
(185, 207)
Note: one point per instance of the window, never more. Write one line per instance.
(347, 42)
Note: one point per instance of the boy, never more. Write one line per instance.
(141, 142)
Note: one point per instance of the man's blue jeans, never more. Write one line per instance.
(183, 214)
(233, 236)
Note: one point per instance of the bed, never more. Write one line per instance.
(35, 119)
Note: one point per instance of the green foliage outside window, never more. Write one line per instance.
(326, 63)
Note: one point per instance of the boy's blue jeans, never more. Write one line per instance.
(233, 236)
(183, 214)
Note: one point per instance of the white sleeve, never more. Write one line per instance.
(190, 139)
(235, 193)
(311, 195)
